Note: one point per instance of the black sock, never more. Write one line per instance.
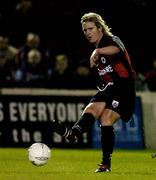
(81, 126)
(107, 140)
(84, 124)
(59, 128)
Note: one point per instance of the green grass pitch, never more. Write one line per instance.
(77, 164)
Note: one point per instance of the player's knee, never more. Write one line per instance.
(91, 111)
(106, 122)
(109, 117)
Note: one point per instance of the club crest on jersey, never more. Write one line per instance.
(115, 104)
(103, 60)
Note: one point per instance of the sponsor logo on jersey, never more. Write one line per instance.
(106, 70)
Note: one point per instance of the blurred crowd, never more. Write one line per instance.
(27, 61)
(147, 81)
(32, 66)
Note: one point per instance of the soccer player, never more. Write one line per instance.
(115, 97)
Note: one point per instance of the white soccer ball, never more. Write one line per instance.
(39, 154)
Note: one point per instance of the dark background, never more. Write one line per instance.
(58, 24)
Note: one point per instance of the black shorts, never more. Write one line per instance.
(120, 97)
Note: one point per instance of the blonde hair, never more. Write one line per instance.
(99, 22)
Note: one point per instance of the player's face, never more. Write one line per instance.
(91, 32)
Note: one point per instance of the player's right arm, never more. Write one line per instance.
(108, 50)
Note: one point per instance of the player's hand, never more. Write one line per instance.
(93, 58)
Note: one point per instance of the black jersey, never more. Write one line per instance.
(116, 79)
(111, 69)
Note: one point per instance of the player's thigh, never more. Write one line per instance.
(95, 108)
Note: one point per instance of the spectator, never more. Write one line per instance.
(151, 77)
(83, 76)
(33, 73)
(62, 73)
(8, 57)
(140, 82)
(32, 42)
